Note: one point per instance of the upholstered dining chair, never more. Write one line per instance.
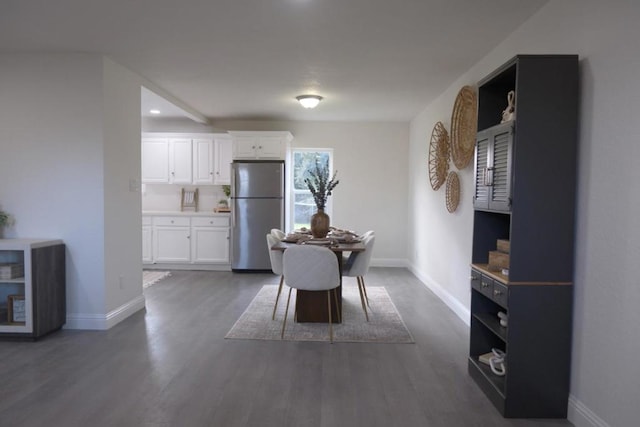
(279, 234)
(276, 266)
(311, 268)
(357, 266)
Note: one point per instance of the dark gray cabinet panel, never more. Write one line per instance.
(493, 168)
(525, 179)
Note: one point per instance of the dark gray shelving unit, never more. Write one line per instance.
(525, 177)
(39, 289)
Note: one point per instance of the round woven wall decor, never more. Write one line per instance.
(438, 156)
(464, 123)
(453, 191)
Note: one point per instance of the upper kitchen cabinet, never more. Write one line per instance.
(223, 158)
(155, 160)
(180, 161)
(260, 144)
(169, 158)
(203, 159)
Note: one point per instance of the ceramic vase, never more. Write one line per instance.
(319, 224)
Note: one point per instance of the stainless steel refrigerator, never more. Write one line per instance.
(257, 206)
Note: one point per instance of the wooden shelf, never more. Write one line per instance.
(491, 322)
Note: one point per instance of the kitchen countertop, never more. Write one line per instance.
(184, 213)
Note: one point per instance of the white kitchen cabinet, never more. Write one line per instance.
(184, 241)
(260, 145)
(180, 161)
(203, 161)
(210, 240)
(155, 160)
(171, 238)
(223, 158)
(147, 240)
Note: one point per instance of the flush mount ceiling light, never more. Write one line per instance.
(309, 101)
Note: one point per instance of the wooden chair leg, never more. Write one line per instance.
(364, 289)
(329, 307)
(364, 307)
(335, 299)
(273, 316)
(284, 323)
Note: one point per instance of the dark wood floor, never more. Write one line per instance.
(171, 366)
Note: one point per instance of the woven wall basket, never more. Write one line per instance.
(438, 156)
(464, 123)
(453, 192)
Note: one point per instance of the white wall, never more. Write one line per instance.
(371, 160)
(122, 202)
(605, 382)
(63, 143)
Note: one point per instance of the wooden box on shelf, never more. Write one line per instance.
(503, 245)
(11, 270)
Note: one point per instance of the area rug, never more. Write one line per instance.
(385, 324)
(149, 277)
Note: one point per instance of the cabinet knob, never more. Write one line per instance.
(171, 221)
(253, 147)
(260, 147)
(173, 173)
(484, 285)
(497, 292)
(473, 278)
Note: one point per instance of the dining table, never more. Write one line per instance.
(311, 306)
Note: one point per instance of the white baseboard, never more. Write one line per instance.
(388, 262)
(581, 416)
(456, 306)
(103, 322)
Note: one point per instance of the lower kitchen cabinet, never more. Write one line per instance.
(210, 240)
(184, 241)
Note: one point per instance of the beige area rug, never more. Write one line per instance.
(149, 277)
(385, 324)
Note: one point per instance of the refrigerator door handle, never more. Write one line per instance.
(233, 198)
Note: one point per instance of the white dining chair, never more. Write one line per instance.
(311, 268)
(276, 266)
(357, 266)
(279, 234)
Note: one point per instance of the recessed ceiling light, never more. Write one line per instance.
(309, 101)
(154, 111)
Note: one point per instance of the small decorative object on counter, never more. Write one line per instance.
(509, 113)
(320, 187)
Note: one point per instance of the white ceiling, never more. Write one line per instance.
(372, 60)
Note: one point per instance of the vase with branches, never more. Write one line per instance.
(320, 184)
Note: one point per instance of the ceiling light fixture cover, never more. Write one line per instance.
(309, 101)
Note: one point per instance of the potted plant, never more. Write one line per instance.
(5, 220)
(320, 187)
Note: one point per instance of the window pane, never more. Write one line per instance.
(303, 208)
(302, 162)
